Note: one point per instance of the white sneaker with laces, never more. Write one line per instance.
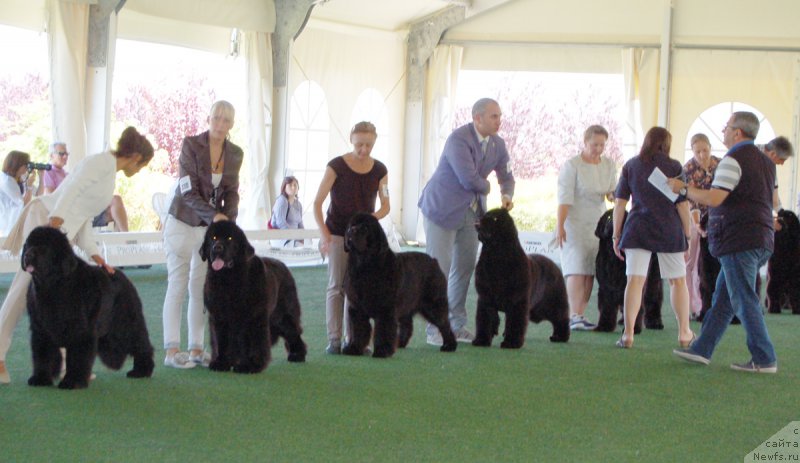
(463, 335)
(580, 323)
(179, 360)
(201, 360)
(435, 339)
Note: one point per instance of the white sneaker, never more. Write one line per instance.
(201, 360)
(580, 323)
(179, 360)
(463, 335)
(435, 339)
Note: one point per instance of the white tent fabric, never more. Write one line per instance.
(440, 98)
(250, 15)
(715, 51)
(69, 27)
(256, 204)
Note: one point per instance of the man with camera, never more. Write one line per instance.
(53, 177)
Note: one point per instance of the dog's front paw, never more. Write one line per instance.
(246, 369)
(69, 383)
(350, 349)
(449, 347)
(217, 365)
(482, 342)
(297, 357)
(139, 374)
(555, 338)
(511, 344)
(383, 352)
(38, 380)
(605, 328)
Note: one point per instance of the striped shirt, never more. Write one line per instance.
(728, 174)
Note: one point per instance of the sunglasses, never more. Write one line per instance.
(63, 153)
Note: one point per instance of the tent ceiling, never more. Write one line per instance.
(390, 15)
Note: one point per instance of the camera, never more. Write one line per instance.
(38, 166)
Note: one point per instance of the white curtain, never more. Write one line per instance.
(257, 201)
(640, 70)
(440, 100)
(68, 27)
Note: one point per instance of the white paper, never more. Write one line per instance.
(659, 180)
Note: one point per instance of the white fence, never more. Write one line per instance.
(147, 248)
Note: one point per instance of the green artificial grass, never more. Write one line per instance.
(582, 401)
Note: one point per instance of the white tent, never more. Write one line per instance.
(678, 58)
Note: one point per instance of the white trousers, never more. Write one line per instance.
(185, 270)
(17, 297)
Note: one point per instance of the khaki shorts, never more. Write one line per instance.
(672, 264)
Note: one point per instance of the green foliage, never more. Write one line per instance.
(535, 203)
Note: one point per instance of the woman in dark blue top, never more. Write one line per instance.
(656, 223)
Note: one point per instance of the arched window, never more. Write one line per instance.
(308, 142)
(370, 106)
(713, 120)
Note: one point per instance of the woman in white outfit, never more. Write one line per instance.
(584, 183)
(207, 191)
(71, 208)
(16, 188)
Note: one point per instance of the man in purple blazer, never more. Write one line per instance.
(455, 198)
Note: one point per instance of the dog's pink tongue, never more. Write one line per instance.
(29, 269)
(217, 264)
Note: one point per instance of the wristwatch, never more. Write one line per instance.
(683, 191)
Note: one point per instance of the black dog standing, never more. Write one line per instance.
(390, 288)
(523, 286)
(251, 301)
(783, 267)
(611, 283)
(81, 308)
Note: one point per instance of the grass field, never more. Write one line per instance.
(581, 401)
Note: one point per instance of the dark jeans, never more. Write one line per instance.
(735, 294)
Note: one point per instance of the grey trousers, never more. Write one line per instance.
(456, 250)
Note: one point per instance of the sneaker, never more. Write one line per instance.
(435, 339)
(691, 356)
(753, 368)
(334, 348)
(580, 323)
(179, 360)
(201, 360)
(462, 335)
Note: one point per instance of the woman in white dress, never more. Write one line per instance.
(584, 183)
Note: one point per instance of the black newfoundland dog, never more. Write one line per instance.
(783, 268)
(83, 309)
(250, 300)
(611, 283)
(708, 268)
(525, 287)
(390, 288)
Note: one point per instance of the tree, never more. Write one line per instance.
(25, 115)
(168, 111)
(541, 132)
